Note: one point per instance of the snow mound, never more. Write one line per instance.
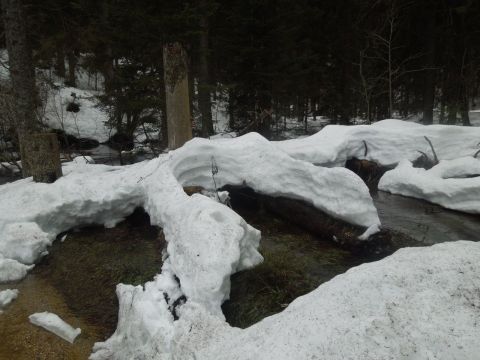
(6, 297)
(387, 142)
(12, 270)
(453, 184)
(420, 303)
(252, 161)
(54, 324)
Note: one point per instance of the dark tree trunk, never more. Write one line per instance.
(60, 61)
(72, 65)
(204, 102)
(43, 157)
(430, 73)
(177, 95)
(39, 153)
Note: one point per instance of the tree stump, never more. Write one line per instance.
(41, 157)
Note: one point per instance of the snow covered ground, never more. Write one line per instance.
(453, 184)
(88, 123)
(386, 142)
(420, 303)
(207, 241)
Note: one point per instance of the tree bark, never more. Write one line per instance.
(72, 64)
(60, 60)
(22, 73)
(204, 102)
(39, 153)
(177, 98)
(43, 160)
(429, 80)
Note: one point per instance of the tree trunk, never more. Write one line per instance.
(60, 60)
(72, 64)
(429, 80)
(204, 102)
(36, 159)
(177, 98)
(42, 160)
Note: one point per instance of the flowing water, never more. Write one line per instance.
(297, 262)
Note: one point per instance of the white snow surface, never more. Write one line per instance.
(12, 270)
(56, 325)
(207, 241)
(388, 142)
(89, 122)
(453, 184)
(420, 303)
(6, 297)
(252, 161)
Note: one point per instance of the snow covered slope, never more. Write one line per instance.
(453, 184)
(388, 142)
(89, 122)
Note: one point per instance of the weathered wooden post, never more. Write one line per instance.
(179, 122)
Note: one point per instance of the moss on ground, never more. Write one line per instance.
(296, 263)
(89, 264)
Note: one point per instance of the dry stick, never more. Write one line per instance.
(435, 158)
(476, 154)
(366, 148)
(424, 154)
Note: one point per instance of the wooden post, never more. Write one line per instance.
(179, 121)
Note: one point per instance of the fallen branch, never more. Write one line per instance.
(435, 158)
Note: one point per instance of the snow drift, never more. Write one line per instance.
(420, 303)
(386, 142)
(453, 184)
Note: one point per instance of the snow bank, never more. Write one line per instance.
(420, 303)
(453, 184)
(252, 161)
(388, 142)
(6, 297)
(54, 324)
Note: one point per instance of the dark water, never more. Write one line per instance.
(425, 222)
(297, 262)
